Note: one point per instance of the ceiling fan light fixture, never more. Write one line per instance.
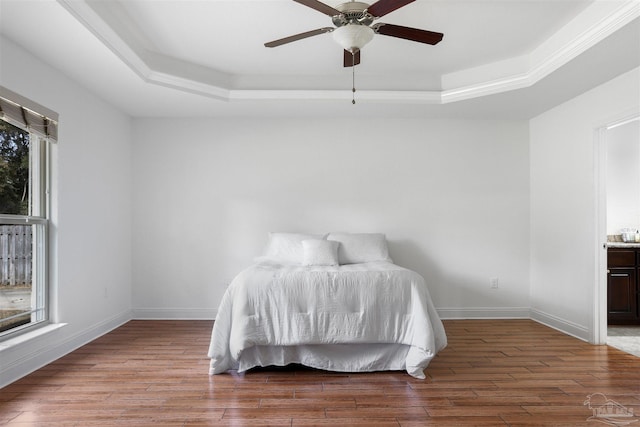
(352, 37)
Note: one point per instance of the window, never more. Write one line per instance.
(24, 221)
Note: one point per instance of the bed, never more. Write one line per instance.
(335, 302)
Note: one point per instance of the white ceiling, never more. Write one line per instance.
(498, 58)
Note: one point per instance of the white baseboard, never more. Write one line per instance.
(562, 325)
(174, 313)
(30, 355)
(484, 313)
(557, 323)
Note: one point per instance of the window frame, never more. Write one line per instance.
(39, 217)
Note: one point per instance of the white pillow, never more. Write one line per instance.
(356, 248)
(320, 252)
(286, 248)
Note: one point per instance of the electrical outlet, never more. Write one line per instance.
(493, 282)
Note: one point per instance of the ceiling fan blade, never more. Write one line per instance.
(300, 36)
(351, 60)
(320, 7)
(382, 7)
(413, 34)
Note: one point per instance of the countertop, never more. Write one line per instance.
(622, 245)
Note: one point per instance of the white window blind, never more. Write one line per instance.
(28, 114)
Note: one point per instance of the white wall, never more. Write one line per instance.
(451, 195)
(564, 245)
(91, 224)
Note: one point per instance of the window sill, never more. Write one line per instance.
(31, 335)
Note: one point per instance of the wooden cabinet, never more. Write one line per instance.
(623, 286)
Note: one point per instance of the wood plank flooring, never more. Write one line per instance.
(493, 373)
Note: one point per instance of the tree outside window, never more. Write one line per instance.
(14, 170)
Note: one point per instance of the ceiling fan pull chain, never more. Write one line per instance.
(353, 77)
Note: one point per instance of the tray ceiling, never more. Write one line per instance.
(188, 49)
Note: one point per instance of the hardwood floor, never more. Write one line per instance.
(493, 373)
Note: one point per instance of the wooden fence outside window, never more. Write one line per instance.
(16, 255)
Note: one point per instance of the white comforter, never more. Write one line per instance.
(374, 303)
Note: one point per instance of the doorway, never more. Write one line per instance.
(618, 210)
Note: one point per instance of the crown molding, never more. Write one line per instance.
(188, 85)
(595, 23)
(561, 48)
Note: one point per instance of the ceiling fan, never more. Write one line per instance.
(353, 26)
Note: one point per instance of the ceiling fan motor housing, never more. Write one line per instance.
(354, 12)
